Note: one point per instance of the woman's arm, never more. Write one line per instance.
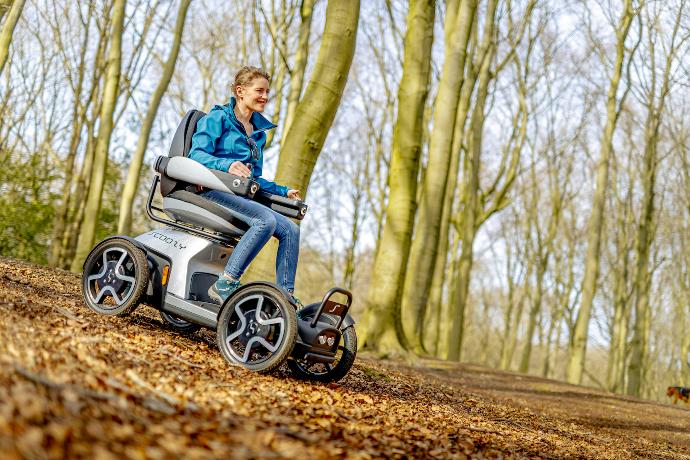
(265, 184)
(208, 131)
(271, 187)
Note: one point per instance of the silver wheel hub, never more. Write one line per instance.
(256, 331)
(111, 280)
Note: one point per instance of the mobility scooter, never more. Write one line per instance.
(171, 269)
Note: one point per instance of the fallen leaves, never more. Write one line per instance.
(78, 385)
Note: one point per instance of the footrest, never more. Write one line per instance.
(332, 307)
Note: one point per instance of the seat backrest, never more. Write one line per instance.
(181, 145)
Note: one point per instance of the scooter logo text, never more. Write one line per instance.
(171, 241)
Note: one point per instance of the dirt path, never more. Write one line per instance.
(74, 384)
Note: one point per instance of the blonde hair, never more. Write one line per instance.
(246, 75)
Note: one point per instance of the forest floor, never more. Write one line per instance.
(77, 385)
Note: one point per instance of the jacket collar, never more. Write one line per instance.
(259, 122)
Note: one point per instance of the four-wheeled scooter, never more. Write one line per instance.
(171, 269)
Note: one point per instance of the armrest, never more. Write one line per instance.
(188, 170)
(288, 207)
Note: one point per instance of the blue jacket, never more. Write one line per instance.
(220, 140)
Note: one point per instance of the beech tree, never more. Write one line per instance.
(654, 101)
(382, 322)
(460, 17)
(132, 182)
(315, 112)
(110, 95)
(576, 360)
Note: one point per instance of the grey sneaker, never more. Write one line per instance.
(222, 289)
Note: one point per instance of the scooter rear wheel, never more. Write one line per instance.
(257, 328)
(179, 324)
(116, 275)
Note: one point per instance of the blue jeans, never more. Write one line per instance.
(263, 223)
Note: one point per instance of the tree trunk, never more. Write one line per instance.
(87, 232)
(124, 225)
(647, 224)
(473, 212)
(470, 200)
(442, 323)
(504, 356)
(542, 251)
(79, 112)
(615, 375)
(425, 244)
(548, 358)
(8, 29)
(430, 331)
(535, 308)
(357, 199)
(299, 67)
(382, 327)
(315, 113)
(684, 361)
(471, 205)
(576, 360)
(77, 203)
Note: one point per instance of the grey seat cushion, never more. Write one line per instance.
(194, 209)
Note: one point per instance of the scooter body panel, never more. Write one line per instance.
(189, 255)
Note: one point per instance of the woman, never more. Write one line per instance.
(231, 138)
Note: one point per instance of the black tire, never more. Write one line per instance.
(116, 275)
(179, 324)
(326, 373)
(245, 338)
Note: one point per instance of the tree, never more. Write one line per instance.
(655, 104)
(543, 246)
(479, 204)
(621, 280)
(92, 208)
(79, 114)
(132, 182)
(315, 113)
(382, 321)
(460, 17)
(576, 360)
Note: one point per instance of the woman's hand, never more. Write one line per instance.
(239, 169)
(293, 195)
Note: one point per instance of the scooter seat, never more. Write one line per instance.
(190, 208)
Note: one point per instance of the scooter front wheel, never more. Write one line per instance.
(115, 277)
(257, 328)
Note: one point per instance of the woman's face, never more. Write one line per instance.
(254, 95)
